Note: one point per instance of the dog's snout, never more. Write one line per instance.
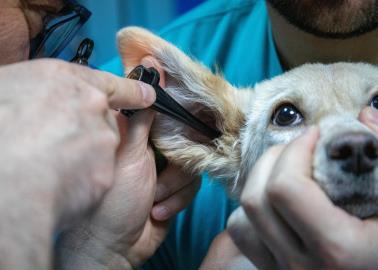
(356, 153)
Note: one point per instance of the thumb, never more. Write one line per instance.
(134, 131)
(299, 153)
(369, 117)
(140, 126)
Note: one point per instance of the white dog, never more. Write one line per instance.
(272, 112)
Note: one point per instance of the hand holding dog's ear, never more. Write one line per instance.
(290, 221)
(209, 97)
(125, 228)
(121, 231)
(58, 150)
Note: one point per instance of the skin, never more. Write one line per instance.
(125, 231)
(90, 245)
(338, 19)
(67, 164)
(283, 233)
(279, 227)
(286, 229)
(312, 48)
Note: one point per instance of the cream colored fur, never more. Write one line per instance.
(327, 95)
(195, 87)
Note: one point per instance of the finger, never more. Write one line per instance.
(92, 103)
(369, 117)
(171, 180)
(111, 120)
(121, 92)
(176, 202)
(247, 239)
(312, 215)
(275, 233)
(134, 132)
(303, 202)
(261, 171)
(298, 154)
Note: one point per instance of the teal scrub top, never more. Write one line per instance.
(232, 36)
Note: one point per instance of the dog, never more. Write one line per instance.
(275, 111)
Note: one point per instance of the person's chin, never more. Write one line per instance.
(323, 33)
(339, 19)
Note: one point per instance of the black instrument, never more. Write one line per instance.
(167, 105)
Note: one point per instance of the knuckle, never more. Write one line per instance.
(112, 124)
(98, 100)
(55, 66)
(232, 225)
(275, 188)
(135, 91)
(103, 180)
(251, 204)
(104, 143)
(114, 139)
(105, 146)
(233, 222)
(111, 86)
(109, 138)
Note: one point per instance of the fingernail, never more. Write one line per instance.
(160, 213)
(148, 92)
(372, 114)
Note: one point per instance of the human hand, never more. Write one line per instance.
(175, 191)
(287, 222)
(224, 255)
(121, 232)
(130, 223)
(58, 136)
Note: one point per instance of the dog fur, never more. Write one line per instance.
(330, 96)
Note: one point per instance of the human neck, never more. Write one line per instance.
(296, 47)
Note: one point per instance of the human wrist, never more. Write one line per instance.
(80, 249)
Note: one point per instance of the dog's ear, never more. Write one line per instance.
(204, 94)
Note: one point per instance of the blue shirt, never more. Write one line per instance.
(232, 36)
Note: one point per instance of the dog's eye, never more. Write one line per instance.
(287, 115)
(374, 102)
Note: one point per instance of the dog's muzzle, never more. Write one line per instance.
(355, 153)
(346, 168)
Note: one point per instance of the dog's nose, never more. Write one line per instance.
(356, 153)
